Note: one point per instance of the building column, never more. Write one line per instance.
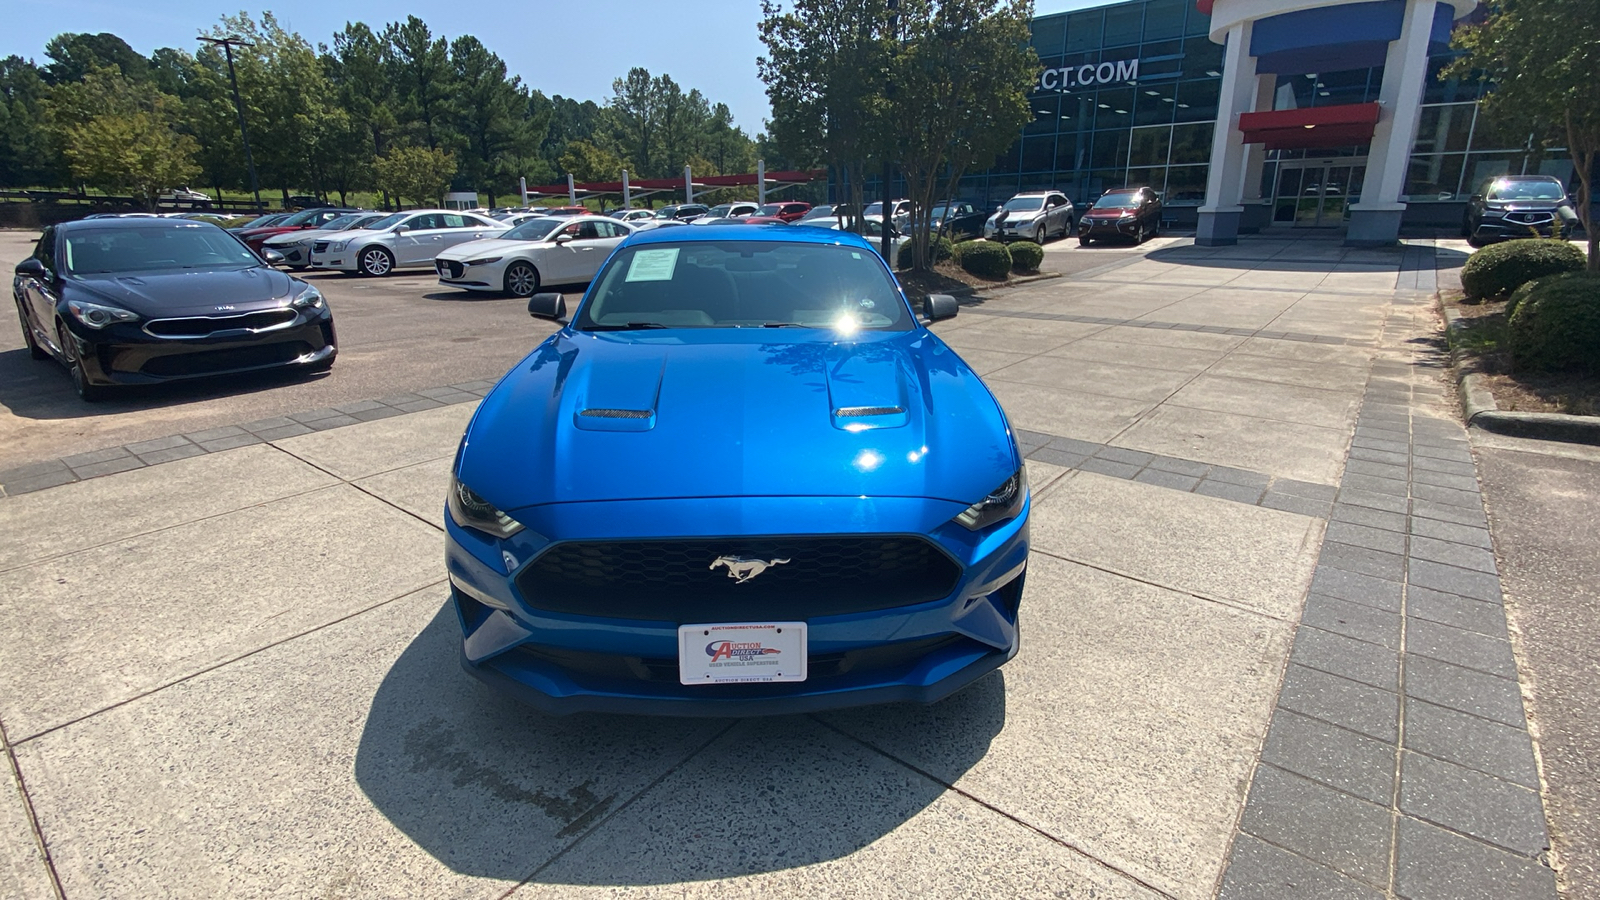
(1375, 220)
(1219, 217)
(1257, 208)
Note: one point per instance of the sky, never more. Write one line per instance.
(574, 48)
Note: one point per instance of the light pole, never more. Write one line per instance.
(227, 44)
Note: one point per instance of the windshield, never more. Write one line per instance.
(388, 221)
(303, 217)
(96, 251)
(341, 223)
(1117, 201)
(264, 221)
(771, 209)
(533, 229)
(942, 210)
(744, 284)
(666, 212)
(1527, 190)
(720, 211)
(1023, 204)
(874, 209)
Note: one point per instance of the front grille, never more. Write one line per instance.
(208, 361)
(319, 246)
(1532, 218)
(819, 666)
(201, 326)
(672, 580)
(449, 268)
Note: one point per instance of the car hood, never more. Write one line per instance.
(187, 292)
(736, 412)
(486, 247)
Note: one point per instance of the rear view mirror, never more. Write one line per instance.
(547, 306)
(939, 306)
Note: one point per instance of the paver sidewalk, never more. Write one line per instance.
(234, 674)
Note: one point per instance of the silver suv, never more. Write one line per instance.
(1032, 216)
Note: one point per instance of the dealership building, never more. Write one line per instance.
(1255, 114)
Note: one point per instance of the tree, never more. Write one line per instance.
(419, 67)
(961, 73)
(490, 113)
(826, 68)
(118, 136)
(633, 119)
(1541, 56)
(417, 172)
(74, 56)
(588, 163)
(28, 158)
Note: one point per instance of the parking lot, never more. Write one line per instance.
(235, 674)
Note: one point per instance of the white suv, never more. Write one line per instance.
(1033, 216)
(402, 240)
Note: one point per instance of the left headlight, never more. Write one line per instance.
(335, 246)
(310, 298)
(469, 510)
(96, 316)
(1002, 503)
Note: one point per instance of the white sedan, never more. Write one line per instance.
(538, 252)
(872, 230)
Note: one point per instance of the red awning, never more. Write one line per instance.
(1317, 126)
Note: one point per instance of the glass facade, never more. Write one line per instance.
(1129, 95)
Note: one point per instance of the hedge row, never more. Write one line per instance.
(1499, 269)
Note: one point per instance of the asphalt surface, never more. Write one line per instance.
(396, 335)
(1544, 509)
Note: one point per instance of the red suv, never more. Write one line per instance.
(792, 211)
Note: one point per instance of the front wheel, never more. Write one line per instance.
(87, 392)
(34, 350)
(522, 280)
(1083, 241)
(1039, 235)
(375, 261)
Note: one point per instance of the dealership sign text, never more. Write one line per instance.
(1076, 76)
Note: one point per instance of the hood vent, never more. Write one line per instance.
(601, 413)
(854, 412)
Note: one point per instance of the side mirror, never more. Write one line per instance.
(563, 238)
(401, 229)
(940, 306)
(272, 256)
(547, 306)
(1476, 198)
(31, 268)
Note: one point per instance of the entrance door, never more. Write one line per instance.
(1317, 194)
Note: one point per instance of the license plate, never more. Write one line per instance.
(742, 652)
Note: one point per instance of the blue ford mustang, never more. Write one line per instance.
(743, 480)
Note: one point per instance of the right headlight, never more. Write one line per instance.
(1001, 504)
(469, 510)
(336, 246)
(98, 316)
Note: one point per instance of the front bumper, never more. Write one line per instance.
(124, 354)
(1127, 227)
(337, 260)
(563, 663)
(453, 273)
(1499, 229)
(1012, 231)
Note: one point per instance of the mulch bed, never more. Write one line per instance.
(945, 276)
(1483, 349)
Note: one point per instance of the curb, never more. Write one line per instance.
(1481, 411)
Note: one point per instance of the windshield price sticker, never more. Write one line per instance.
(742, 652)
(653, 265)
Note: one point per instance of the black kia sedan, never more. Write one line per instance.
(144, 301)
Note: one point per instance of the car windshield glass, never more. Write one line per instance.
(874, 209)
(94, 251)
(388, 221)
(771, 209)
(666, 212)
(1117, 201)
(720, 211)
(303, 217)
(264, 221)
(744, 284)
(341, 223)
(533, 229)
(1527, 190)
(1023, 204)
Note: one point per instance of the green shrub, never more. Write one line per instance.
(1556, 327)
(1499, 269)
(1026, 256)
(942, 248)
(938, 248)
(985, 259)
(1519, 295)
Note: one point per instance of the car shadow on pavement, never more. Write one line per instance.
(491, 788)
(41, 389)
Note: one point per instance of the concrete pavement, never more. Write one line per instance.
(234, 673)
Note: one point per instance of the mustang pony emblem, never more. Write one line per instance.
(741, 569)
